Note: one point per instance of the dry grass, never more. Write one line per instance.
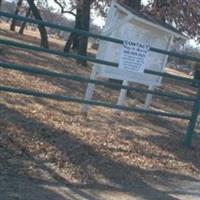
(105, 146)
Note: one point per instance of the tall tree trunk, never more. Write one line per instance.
(74, 38)
(21, 30)
(85, 25)
(42, 29)
(78, 25)
(18, 7)
(69, 42)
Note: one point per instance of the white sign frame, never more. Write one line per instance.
(119, 74)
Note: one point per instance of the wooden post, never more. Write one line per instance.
(90, 91)
(123, 94)
(91, 87)
(149, 98)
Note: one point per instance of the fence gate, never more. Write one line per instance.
(192, 118)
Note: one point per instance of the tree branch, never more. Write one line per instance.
(63, 9)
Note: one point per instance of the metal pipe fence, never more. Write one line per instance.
(40, 71)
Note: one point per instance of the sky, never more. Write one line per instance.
(96, 19)
(99, 21)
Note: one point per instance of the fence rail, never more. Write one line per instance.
(88, 34)
(87, 58)
(40, 71)
(95, 103)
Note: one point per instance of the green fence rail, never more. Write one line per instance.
(40, 71)
(85, 58)
(85, 33)
(95, 103)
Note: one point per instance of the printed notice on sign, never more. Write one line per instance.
(133, 56)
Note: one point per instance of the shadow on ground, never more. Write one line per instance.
(120, 177)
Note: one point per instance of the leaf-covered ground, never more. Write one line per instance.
(52, 142)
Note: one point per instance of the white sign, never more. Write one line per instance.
(133, 56)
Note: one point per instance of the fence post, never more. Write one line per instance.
(193, 120)
(90, 90)
(149, 98)
(123, 94)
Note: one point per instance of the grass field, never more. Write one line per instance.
(50, 143)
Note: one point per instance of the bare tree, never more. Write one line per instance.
(73, 39)
(23, 25)
(85, 25)
(42, 29)
(17, 10)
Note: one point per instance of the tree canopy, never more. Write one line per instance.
(183, 14)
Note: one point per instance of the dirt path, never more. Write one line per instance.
(16, 184)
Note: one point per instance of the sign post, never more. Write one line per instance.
(132, 61)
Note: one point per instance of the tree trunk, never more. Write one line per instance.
(42, 30)
(69, 42)
(85, 25)
(78, 25)
(18, 7)
(21, 30)
(74, 38)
